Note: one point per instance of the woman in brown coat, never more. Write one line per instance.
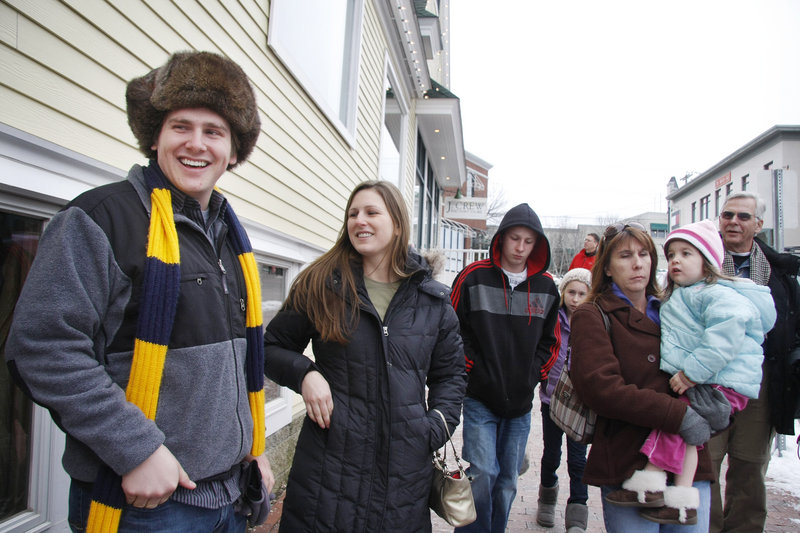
(615, 369)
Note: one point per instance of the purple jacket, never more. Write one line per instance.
(545, 392)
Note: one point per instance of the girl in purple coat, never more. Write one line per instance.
(574, 287)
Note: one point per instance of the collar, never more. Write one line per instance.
(652, 308)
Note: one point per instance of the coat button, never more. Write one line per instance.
(651, 358)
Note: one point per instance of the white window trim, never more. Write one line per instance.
(49, 484)
(401, 97)
(30, 172)
(347, 128)
(285, 252)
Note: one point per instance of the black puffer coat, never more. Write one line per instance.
(371, 470)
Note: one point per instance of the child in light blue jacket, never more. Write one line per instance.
(712, 328)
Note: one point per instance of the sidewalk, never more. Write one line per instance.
(783, 508)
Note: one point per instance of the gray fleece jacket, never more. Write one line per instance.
(71, 343)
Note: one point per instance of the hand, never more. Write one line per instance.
(317, 395)
(152, 483)
(711, 404)
(680, 383)
(694, 429)
(266, 470)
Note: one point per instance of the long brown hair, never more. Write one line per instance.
(601, 282)
(311, 292)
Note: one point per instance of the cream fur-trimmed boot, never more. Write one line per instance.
(680, 507)
(645, 488)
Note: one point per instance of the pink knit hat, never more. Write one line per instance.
(702, 235)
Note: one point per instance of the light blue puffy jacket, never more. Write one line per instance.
(714, 333)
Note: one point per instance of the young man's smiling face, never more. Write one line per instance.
(194, 149)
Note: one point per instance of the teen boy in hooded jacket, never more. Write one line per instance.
(507, 306)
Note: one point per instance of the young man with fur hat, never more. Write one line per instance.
(139, 326)
(508, 309)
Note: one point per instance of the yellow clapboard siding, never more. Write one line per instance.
(42, 85)
(27, 115)
(65, 61)
(8, 26)
(146, 22)
(72, 28)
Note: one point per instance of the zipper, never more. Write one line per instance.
(224, 276)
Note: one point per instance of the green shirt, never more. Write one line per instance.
(380, 294)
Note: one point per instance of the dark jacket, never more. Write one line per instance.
(371, 470)
(782, 345)
(617, 375)
(511, 338)
(72, 347)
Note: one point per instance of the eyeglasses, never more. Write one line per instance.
(612, 230)
(728, 215)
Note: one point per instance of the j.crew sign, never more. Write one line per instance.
(465, 208)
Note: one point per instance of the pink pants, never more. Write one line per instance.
(666, 450)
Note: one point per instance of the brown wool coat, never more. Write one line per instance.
(618, 376)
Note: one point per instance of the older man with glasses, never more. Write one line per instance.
(748, 441)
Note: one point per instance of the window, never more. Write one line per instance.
(728, 189)
(675, 220)
(658, 231)
(392, 133)
(20, 236)
(694, 211)
(319, 41)
(704, 206)
(425, 225)
(273, 292)
(717, 198)
(745, 181)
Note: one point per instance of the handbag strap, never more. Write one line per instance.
(450, 440)
(603, 314)
(606, 323)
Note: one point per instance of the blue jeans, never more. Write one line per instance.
(169, 517)
(620, 519)
(495, 449)
(552, 436)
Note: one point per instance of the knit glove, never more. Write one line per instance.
(694, 430)
(711, 404)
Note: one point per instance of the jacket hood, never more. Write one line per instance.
(760, 295)
(523, 215)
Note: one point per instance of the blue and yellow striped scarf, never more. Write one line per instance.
(160, 291)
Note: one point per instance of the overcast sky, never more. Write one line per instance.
(587, 108)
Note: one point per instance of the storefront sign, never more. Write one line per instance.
(465, 208)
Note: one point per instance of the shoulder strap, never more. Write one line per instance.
(606, 323)
(603, 314)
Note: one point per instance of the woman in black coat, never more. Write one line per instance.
(381, 330)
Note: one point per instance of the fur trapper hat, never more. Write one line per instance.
(192, 80)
